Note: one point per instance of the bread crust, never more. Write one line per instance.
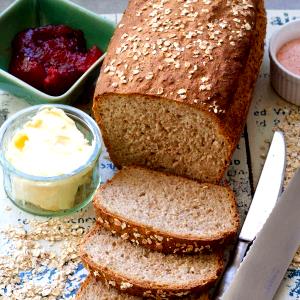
(82, 288)
(90, 278)
(156, 239)
(234, 73)
(140, 288)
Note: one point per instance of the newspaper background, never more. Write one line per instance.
(266, 111)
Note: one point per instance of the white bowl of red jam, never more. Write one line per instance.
(284, 52)
(54, 53)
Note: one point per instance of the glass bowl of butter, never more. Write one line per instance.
(49, 155)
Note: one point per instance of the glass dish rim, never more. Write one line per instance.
(91, 124)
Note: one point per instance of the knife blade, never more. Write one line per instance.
(264, 200)
(268, 258)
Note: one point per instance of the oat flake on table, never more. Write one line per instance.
(291, 128)
(30, 257)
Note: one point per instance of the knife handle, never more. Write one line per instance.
(231, 269)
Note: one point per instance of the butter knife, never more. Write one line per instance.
(269, 256)
(267, 192)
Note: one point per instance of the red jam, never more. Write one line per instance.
(51, 58)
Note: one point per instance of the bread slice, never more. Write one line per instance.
(91, 289)
(165, 212)
(142, 272)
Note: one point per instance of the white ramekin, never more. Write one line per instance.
(285, 83)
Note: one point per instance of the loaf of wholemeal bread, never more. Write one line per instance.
(176, 84)
(165, 212)
(142, 272)
(91, 289)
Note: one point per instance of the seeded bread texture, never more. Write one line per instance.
(177, 82)
(91, 289)
(142, 272)
(165, 212)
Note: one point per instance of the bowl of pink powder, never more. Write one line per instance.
(284, 54)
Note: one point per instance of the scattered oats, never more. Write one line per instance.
(160, 91)
(247, 26)
(187, 64)
(27, 253)
(114, 85)
(125, 236)
(46, 292)
(169, 60)
(125, 285)
(106, 69)
(121, 25)
(181, 91)
(291, 128)
(135, 71)
(112, 283)
(168, 11)
(159, 238)
(223, 25)
(204, 87)
(184, 12)
(124, 36)
(190, 34)
(149, 76)
(290, 125)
